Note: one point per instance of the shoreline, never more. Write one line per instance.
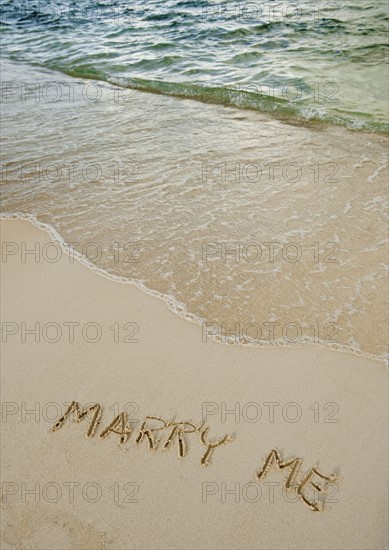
(177, 307)
(340, 399)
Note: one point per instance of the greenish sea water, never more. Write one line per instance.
(305, 60)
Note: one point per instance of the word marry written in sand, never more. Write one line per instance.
(177, 431)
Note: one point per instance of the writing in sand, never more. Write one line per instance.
(159, 432)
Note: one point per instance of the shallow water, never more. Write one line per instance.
(166, 188)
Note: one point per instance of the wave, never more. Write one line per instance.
(252, 97)
(179, 308)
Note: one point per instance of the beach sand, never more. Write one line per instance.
(93, 493)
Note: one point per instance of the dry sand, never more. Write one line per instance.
(170, 372)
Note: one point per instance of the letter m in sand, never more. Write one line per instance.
(79, 414)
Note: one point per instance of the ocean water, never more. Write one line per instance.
(306, 59)
(262, 216)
